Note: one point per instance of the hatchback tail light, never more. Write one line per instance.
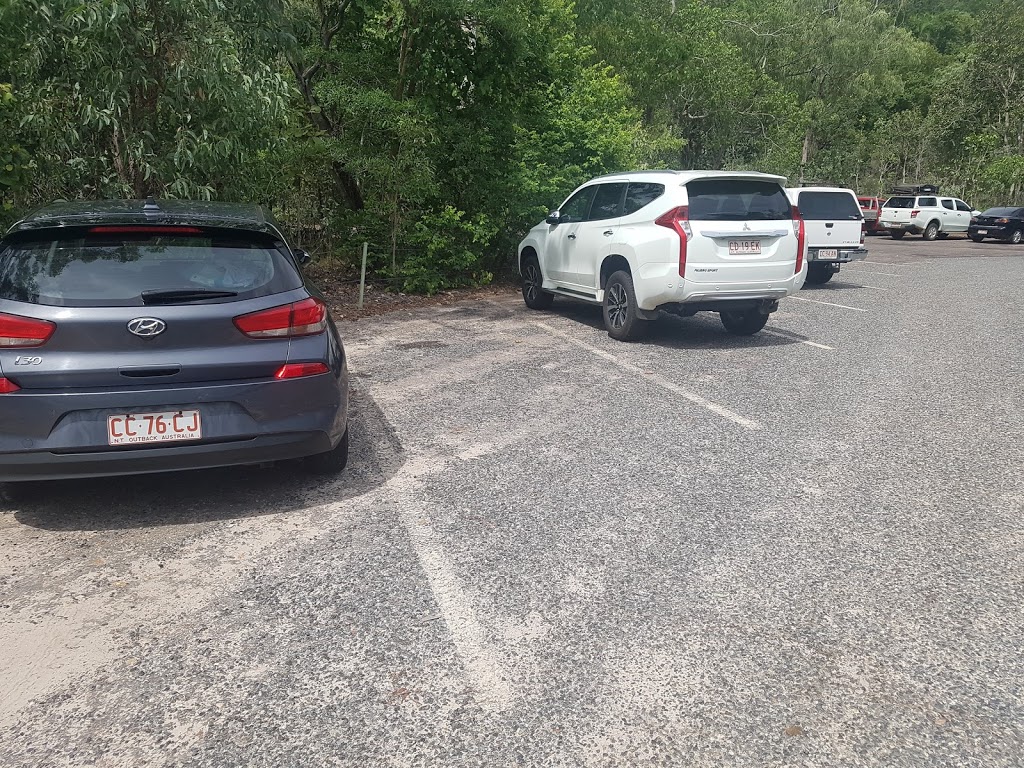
(913, 214)
(300, 370)
(801, 239)
(301, 318)
(677, 220)
(7, 386)
(17, 331)
(1002, 221)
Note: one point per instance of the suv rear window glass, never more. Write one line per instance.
(737, 200)
(641, 194)
(820, 206)
(899, 202)
(128, 269)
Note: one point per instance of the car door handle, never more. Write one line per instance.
(572, 237)
(609, 232)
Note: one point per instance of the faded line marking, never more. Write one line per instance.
(880, 263)
(874, 287)
(869, 272)
(788, 335)
(482, 661)
(655, 378)
(826, 303)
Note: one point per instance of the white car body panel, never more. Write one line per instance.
(844, 236)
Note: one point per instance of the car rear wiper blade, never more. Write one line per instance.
(183, 295)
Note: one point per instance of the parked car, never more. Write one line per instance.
(680, 242)
(928, 215)
(870, 208)
(834, 226)
(143, 337)
(1005, 224)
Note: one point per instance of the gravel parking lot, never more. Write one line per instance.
(550, 548)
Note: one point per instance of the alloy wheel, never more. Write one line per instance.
(533, 282)
(618, 306)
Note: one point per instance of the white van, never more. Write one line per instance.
(835, 229)
(682, 242)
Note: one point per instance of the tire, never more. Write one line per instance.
(976, 238)
(931, 232)
(818, 274)
(897, 235)
(1016, 237)
(331, 462)
(620, 318)
(533, 293)
(743, 323)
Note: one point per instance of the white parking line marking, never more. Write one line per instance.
(655, 378)
(880, 263)
(872, 287)
(827, 303)
(869, 272)
(788, 335)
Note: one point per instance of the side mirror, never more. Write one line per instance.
(553, 218)
(303, 256)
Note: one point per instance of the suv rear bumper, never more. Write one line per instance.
(653, 294)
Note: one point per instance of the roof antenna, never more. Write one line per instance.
(150, 206)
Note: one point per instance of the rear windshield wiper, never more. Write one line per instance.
(183, 296)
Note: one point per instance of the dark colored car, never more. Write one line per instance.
(870, 207)
(141, 337)
(1005, 224)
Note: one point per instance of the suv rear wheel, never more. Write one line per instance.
(620, 316)
(819, 274)
(745, 323)
(533, 293)
(931, 232)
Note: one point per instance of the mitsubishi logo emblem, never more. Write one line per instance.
(146, 326)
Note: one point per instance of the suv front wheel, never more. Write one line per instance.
(620, 318)
(745, 323)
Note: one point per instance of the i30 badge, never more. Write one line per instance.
(146, 326)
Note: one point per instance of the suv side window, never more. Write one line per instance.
(577, 207)
(948, 205)
(962, 206)
(641, 194)
(607, 202)
(927, 202)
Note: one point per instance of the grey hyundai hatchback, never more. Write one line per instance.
(138, 336)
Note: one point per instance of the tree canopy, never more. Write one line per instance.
(439, 130)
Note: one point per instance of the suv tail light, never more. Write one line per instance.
(913, 214)
(863, 232)
(678, 221)
(301, 318)
(801, 239)
(7, 386)
(17, 331)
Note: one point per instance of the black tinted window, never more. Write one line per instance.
(641, 194)
(819, 206)
(948, 205)
(927, 202)
(116, 269)
(1004, 212)
(607, 202)
(577, 207)
(737, 200)
(962, 206)
(899, 202)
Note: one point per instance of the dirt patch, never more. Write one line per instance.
(343, 296)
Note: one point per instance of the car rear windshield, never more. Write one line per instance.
(115, 266)
(899, 202)
(1006, 212)
(737, 200)
(830, 206)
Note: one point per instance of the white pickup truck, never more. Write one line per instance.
(835, 229)
(930, 216)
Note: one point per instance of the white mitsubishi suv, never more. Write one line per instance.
(680, 242)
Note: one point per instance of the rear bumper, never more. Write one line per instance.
(40, 465)
(658, 290)
(54, 435)
(995, 231)
(913, 229)
(846, 255)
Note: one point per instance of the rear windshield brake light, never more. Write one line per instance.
(144, 230)
(17, 331)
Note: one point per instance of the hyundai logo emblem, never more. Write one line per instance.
(146, 326)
